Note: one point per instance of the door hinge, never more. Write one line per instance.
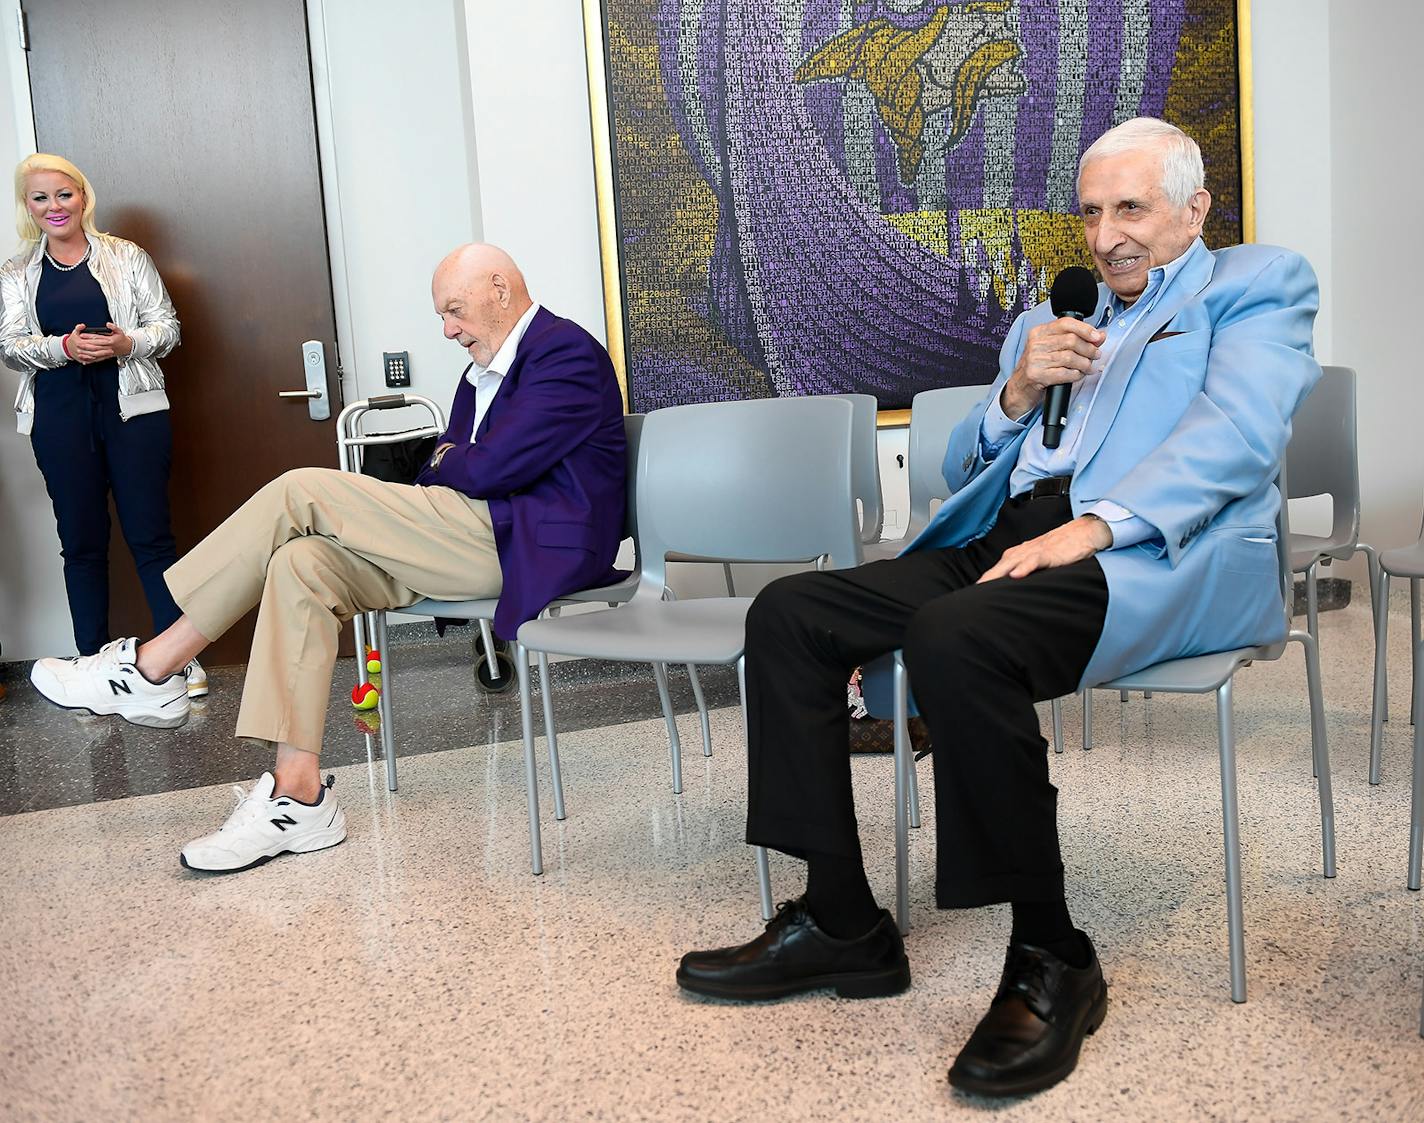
(22, 24)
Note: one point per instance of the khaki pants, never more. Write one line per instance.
(315, 547)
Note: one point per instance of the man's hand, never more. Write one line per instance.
(1063, 545)
(1060, 351)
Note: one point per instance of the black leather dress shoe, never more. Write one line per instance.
(1029, 1039)
(794, 955)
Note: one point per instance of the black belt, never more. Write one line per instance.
(1049, 488)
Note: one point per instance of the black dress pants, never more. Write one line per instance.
(86, 450)
(979, 657)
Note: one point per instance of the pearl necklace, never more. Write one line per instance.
(67, 268)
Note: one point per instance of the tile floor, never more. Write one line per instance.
(420, 972)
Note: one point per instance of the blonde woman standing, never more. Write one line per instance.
(84, 317)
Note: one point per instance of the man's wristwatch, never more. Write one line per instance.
(1100, 519)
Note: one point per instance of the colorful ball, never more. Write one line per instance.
(365, 696)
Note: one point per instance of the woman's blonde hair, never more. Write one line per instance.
(25, 223)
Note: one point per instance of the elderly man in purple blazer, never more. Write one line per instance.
(522, 499)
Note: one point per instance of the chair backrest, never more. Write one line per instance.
(767, 480)
(933, 416)
(633, 431)
(1283, 558)
(1323, 453)
(865, 464)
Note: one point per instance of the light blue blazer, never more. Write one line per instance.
(1190, 442)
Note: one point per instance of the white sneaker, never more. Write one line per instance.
(261, 827)
(111, 683)
(197, 680)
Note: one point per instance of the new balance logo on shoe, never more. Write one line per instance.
(284, 822)
(120, 687)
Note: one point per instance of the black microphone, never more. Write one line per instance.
(1075, 294)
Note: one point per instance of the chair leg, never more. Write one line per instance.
(1372, 567)
(1416, 799)
(360, 623)
(674, 745)
(384, 704)
(531, 774)
(1122, 696)
(1312, 599)
(914, 779)
(727, 573)
(1087, 719)
(763, 867)
(487, 638)
(1414, 634)
(1320, 750)
(1236, 939)
(546, 686)
(902, 783)
(701, 709)
(1381, 671)
(1055, 708)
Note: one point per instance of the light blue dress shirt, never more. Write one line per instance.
(1037, 462)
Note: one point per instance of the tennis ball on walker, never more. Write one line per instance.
(373, 662)
(365, 696)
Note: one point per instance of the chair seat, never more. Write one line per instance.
(484, 608)
(691, 631)
(1404, 561)
(1308, 548)
(619, 592)
(481, 609)
(1197, 674)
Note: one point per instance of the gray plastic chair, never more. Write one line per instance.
(933, 416)
(767, 479)
(1323, 459)
(1404, 561)
(865, 480)
(482, 610)
(1200, 674)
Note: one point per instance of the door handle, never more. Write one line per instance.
(314, 368)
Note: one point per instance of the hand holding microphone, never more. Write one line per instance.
(1074, 295)
(1056, 354)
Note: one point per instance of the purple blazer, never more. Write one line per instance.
(550, 458)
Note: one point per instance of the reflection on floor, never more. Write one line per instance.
(419, 971)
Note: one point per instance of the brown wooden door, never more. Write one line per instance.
(194, 121)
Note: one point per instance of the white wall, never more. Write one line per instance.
(1291, 69)
(400, 176)
(529, 95)
(34, 616)
(1376, 91)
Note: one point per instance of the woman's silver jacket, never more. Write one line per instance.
(138, 303)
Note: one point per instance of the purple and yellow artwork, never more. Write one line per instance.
(859, 196)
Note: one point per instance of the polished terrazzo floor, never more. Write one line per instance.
(420, 972)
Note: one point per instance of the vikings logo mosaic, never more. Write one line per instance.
(832, 196)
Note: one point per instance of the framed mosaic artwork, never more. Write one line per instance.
(859, 196)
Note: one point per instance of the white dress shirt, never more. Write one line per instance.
(1037, 462)
(487, 380)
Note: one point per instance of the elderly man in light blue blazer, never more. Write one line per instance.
(1146, 534)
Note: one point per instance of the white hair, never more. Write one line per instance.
(1182, 171)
